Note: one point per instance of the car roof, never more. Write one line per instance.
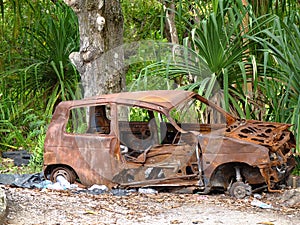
(163, 98)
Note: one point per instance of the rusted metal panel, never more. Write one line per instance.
(274, 136)
(152, 153)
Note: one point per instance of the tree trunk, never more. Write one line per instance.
(171, 30)
(100, 58)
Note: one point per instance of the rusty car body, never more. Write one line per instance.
(168, 139)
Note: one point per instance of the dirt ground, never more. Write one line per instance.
(34, 206)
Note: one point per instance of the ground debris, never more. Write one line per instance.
(267, 223)
(33, 206)
(291, 198)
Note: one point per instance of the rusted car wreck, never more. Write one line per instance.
(166, 139)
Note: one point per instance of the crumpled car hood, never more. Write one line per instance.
(272, 135)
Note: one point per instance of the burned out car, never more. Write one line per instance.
(170, 139)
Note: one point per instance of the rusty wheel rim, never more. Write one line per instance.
(64, 172)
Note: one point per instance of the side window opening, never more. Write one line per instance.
(77, 121)
(138, 130)
(99, 117)
(91, 120)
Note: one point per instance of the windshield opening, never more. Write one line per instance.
(192, 113)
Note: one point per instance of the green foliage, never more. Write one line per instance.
(11, 134)
(36, 38)
(277, 7)
(247, 58)
(42, 69)
(281, 45)
(37, 158)
(22, 134)
(142, 19)
(296, 171)
(215, 55)
(251, 62)
(138, 114)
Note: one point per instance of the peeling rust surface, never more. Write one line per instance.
(142, 139)
(274, 136)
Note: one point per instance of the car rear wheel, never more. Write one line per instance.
(65, 172)
(240, 189)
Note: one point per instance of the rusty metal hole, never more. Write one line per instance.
(267, 125)
(281, 137)
(246, 131)
(242, 136)
(256, 139)
(262, 135)
(189, 170)
(254, 130)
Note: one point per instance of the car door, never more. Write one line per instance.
(89, 133)
(150, 158)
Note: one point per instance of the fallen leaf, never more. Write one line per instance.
(90, 212)
(175, 222)
(197, 222)
(266, 223)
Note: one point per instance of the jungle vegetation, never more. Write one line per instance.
(247, 54)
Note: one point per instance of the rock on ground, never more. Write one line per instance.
(3, 204)
(291, 198)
